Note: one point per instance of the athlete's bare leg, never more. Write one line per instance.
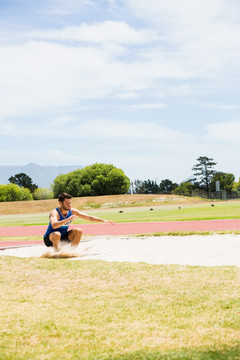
(75, 236)
(55, 238)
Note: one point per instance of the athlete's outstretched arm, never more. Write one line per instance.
(90, 217)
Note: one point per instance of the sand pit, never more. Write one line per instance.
(212, 250)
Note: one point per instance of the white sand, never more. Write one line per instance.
(212, 250)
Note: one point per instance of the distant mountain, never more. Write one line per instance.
(42, 176)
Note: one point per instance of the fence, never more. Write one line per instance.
(217, 195)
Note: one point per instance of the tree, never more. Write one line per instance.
(43, 194)
(23, 180)
(145, 187)
(96, 179)
(236, 187)
(59, 184)
(138, 187)
(13, 192)
(150, 187)
(226, 181)
(204, 171)
(167, 186)
(185, 189)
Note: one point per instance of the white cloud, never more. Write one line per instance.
(134, 130)
(44, 75)
(104, 32)
(148, 106)
(134, 133)
(180, 90)
(182, 48)
(203, 35)
(228, 107)
(226, 132)
(61, 121)
(179, 14)
(126, 95)
(40, 75)
(63, 7)
(190, 40)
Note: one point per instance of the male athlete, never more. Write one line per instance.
(59, 221)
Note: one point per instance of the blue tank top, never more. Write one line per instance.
(62, 229)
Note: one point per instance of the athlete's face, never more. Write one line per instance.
(67, 204)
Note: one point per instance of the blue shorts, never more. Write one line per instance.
(48, 242)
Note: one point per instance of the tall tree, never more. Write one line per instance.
(150, 187)
(203, 170)
(167, 186)
(226, 181)
(138, 187)
(92, 180)
(23, 180)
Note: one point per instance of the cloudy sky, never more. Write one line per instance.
(148, 86)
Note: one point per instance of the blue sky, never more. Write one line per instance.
(148, 86)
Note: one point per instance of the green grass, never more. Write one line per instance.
(61, 309)
(24, 219)
(200, 211)
(94, 310)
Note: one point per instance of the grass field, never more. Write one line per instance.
(186, 210)
(61, 309)
(95, 310)
(95, 202)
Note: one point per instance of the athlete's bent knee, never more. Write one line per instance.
(77, 231)
(56, 235)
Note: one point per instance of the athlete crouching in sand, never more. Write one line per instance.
(59, 221)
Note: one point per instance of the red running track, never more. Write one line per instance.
(123, 229)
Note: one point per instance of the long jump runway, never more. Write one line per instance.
(120, 229)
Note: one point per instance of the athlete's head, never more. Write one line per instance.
(64, 196)
(65, 200)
